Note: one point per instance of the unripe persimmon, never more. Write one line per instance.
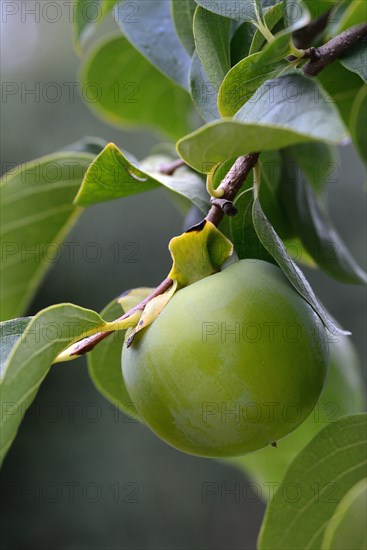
(234, 362)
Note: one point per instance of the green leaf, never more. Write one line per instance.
(271, 165)
(51, 336)
(112, 175)
(212, 40)
(317, 480)
(318, 7)
(268, 4)
(104, 361)
(282, 112)
(342, 86)
(312, 225)
(318, 162)
(155, 37)
(338, 12)
(10, 331)
(243, 80)
(358, 123)
(243, 234)
(182, 14)
(44, 337)
(279, 48)
(355, 59)
(224, 139)
(272, 19)
(204, 95)
(86, 14)
(298, 253)
(91, 145)
(246, 10)
(347, 528)
(184, 183)
(37, 212)
(296, 14)
(343, 394)
(241, 42)
(132, 92)
(276, 248)
(336, 15)
(295, 102)
(354, 14)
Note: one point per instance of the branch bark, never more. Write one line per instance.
(326, 54)
(231, 184)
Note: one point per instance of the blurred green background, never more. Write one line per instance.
(80, 475)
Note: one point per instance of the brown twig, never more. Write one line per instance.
(336, 47)
(170, 169)
(231, 184)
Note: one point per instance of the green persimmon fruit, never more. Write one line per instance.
(343, 394)
(233, 363)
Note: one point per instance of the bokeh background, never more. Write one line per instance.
(80, 474)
